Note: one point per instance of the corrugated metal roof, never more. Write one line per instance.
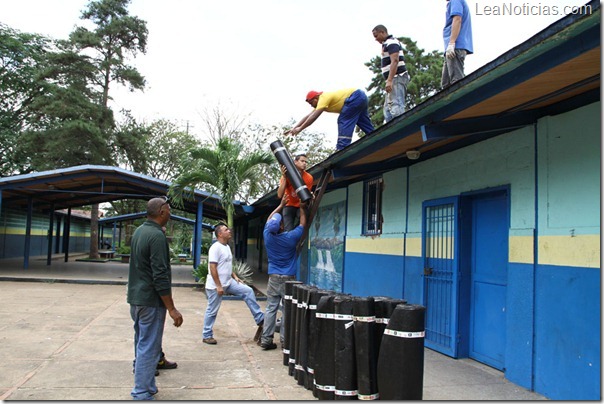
(89, 184)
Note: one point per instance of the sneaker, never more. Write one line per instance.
(267, 346)
(166, 364)
(259, 331)
(210, 341)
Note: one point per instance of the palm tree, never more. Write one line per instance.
(225, 169)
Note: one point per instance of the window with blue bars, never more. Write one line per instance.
(372, 207)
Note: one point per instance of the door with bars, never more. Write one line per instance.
(440, 256)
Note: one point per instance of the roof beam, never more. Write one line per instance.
(472, 126)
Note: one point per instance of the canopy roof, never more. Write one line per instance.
(89, 184)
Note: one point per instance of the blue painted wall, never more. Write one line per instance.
(373, 275)
(567, 333)
(553, 293)
(553, 277)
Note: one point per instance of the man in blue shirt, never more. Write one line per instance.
(457, 36)
(282, 266)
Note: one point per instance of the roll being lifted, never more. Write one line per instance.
(292, 173)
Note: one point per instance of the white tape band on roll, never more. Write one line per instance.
(405, 334)
(325, 388)
(364, 319)
(369, 396)
(300, 188)
(347, 393)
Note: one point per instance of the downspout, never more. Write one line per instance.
(406, 231)
(535, 251)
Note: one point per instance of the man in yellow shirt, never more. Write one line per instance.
(350, 103)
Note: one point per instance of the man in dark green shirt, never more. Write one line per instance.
(150, 295)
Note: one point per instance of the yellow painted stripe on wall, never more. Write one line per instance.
(378, 245)
(39, 232)
(521, 249)
(414, 247)
(578, 251)
(21, 232)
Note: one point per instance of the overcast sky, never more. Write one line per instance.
(261, 57)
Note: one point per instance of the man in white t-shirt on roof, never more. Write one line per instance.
(221, 280)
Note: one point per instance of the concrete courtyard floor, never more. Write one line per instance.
(66, 334)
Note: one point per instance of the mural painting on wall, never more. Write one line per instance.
(327, 247)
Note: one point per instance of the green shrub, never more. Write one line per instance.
(243, 271)
(201, 272)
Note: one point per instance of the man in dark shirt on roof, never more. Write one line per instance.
(282, 267)
(150, 295)
(394, 72)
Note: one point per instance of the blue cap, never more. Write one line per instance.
(274, 223)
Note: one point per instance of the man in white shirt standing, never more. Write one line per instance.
(221, 280)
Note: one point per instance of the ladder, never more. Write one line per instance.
(314, 206)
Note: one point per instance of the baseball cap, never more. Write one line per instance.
(274, 223)
(312, 94)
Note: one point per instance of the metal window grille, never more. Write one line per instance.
(372, 217)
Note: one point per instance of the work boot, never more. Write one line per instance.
(267, 346)
(166, 364)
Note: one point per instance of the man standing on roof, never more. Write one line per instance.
(394, 72)
(457, 36)
(291, 211)
(350, 103)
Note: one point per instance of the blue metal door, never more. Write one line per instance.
(489, 258)
(440, 252)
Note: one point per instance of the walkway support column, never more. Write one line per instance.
(66, 234)
(197, 235)
(51, 223)
(30, 208)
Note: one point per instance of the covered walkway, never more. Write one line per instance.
(85, 185)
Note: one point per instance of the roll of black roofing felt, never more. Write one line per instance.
(384, 306)
(294, 337)
(345, 369)
(401, 360)
(293, 175)
(302, 357)
(363, 311)
(287, 303)
(313, 335)
(325, 354)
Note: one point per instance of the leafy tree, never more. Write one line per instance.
(67, 132)
(154, 149)
(425, 70)
(115, 36)
(21, 56)
(224, 168)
